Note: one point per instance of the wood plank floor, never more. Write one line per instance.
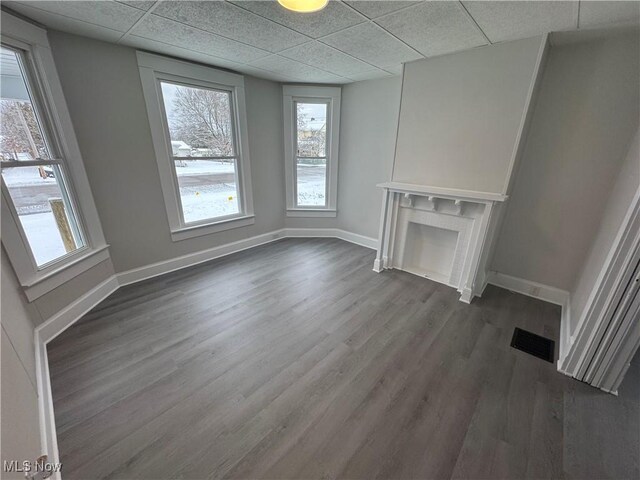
(295, 360)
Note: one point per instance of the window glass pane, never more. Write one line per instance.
(44, 211)
(311, 161)
(208, 188)
(311, 119)
(311, 176)
(199, 120)
(20, 134)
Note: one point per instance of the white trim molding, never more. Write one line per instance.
(350, 237)
(160, 268)
(549, 294)
(156, 68)
(311, 94)
(43, 334)
(57, 129)
(593, 325)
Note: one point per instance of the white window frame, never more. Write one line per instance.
(156, 68)
(310, 94)
(48, 99)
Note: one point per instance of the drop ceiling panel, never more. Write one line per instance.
(598, 13)
(372, 44)
(326, 58)
(370, 75)
(335, 16)
(178, 52)
(502, 21)
(260, 73)
(232, 22)
(174, 33)
(141, 4)
(66, 24)
(394, 69)
(379, 8)
(296, 70)
(244, 35)
(434, 28)
(113, 15)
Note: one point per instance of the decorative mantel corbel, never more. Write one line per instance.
(458, 206)
(408, 199)
(432, 203)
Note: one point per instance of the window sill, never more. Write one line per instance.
(54, 278)
(206, 229)
(311, 212)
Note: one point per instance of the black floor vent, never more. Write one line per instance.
(533, 344)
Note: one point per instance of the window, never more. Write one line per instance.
(312, 116)
(311, 154)
(50, 226)
(32, 174)
(199, 133)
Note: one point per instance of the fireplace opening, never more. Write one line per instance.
(429, 251)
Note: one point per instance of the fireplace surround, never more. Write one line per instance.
(442, 234)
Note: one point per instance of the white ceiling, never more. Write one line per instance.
(348, 41)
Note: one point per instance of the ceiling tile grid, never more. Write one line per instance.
(334, 17)
(372, 44)
(434, 28)
(228, 20)
(375, 9)
(154, 27)
(503, 21)
(350, 40)
(327, 58)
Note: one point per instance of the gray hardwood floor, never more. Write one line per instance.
(295, 360)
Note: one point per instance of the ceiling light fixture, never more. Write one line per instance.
(304, 6)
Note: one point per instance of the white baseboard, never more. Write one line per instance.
(66, 317)
(351, 237)
(43, 334)
(529, 288)
(566, 341)
(160, 268)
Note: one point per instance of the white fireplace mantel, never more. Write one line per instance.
(448, 193)
(473, 215)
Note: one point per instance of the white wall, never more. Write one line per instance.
(102, 87)
(622, 193)
(461, 114)
(586, 114)
(367, 141)
(20, 429)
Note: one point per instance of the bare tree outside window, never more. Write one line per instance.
(32, 177)
(202, 119)
(20, 137)
(201, 130)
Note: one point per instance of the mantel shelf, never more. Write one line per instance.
(451, 193)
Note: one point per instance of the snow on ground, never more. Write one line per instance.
(311, 184)
(208, 201)
(24, 176)
(203, 167)
(44, 237)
